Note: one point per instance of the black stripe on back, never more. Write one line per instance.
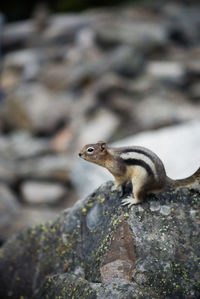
(139, 151)
(141, 163)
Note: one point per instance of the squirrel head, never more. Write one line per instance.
(95, 153)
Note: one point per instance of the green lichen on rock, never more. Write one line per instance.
(148, 251)
(67, 286)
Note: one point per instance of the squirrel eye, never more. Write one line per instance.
(90, 149)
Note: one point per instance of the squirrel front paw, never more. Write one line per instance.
(130, 201)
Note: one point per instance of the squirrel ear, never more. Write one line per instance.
(102, 144)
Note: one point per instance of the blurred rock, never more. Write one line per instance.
(145, 36)
(10, 79)
(9, 211)
(15, 35)
(34, 192)
(102, 126)
(24, 63)
(34, 215)
(128, 62)
(194, 92)
(53, 167)
(172, 72)
(61, 141)
(22, 217)
(34, 108)
(8, 170)
(15, 217)
(48, 167)
(63, 28)
(164, 108)
(193, 70)
(123, 60)
(22, 145)
(183, 23)
(85, 38)
(118, 98)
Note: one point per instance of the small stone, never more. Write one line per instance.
(154, 206)
(165, 210)
(140, 278)
(41, 192)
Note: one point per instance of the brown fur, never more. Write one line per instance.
(99, 153)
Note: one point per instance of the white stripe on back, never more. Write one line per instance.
(139, 156)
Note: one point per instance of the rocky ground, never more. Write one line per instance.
(101, 249)
(71, 79)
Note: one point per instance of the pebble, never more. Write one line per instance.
(154, 206)
(165, 210)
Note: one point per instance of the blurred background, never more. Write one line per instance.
(74, 72)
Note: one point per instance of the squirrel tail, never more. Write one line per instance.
(184, 182)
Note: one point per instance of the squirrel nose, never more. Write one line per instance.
(80, 154)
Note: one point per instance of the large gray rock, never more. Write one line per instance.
(100, 249)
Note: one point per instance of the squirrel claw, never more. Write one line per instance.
(129, 201)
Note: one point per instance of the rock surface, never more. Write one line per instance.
(100, 249)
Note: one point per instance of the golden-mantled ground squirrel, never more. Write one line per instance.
(138, 164)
